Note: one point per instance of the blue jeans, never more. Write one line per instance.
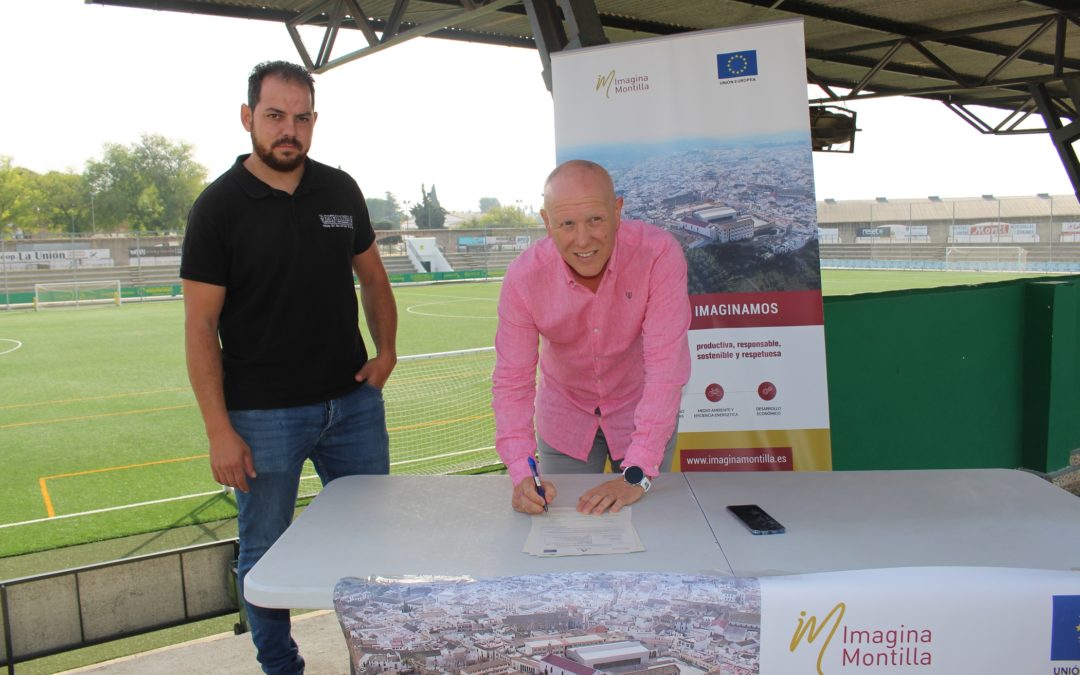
(342, 437)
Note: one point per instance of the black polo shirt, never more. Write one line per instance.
(289, 327)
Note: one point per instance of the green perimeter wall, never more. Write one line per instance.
(957, 377)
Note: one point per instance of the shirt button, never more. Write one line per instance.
(596, 330)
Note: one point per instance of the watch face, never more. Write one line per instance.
(633, 474)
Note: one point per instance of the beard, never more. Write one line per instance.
(266, 153)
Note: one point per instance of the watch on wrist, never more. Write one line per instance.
(635, 475)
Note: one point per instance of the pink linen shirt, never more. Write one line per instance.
(622, 350)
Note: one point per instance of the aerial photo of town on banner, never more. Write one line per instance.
(707, 136)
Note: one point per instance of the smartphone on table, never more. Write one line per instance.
(755, 519)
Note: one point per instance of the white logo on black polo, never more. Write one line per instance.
(331, 220)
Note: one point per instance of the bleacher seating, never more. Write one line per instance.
(398, 264)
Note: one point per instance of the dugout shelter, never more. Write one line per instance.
(1004, 66)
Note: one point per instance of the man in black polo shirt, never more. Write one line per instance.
(274, 351)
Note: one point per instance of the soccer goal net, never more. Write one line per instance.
(986, 258)
(438, 413)
(77, 293)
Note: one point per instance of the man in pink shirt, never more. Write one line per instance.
(607, 301)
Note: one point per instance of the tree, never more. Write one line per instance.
(487, 203)
(19, 194)
(149, 185)
(506, 216)
(428, 214)
(385, 214)
(148, 214)
(65, 197)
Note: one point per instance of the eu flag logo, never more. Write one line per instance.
(736, 64)
(1065, 629)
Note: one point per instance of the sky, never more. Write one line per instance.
(473, 120)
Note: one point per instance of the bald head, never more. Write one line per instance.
(576, 171)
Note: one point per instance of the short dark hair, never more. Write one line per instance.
(290, 72)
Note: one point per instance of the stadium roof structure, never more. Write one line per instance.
(987, 207)
(1004, 66)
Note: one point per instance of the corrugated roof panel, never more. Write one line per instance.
(899, 211)
(829, 26)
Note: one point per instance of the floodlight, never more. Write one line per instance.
(832, 126)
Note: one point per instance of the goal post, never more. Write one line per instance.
(986, 258)
(77, 293)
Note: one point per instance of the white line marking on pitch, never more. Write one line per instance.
(412, 309)
(11, 349)
(450, 298)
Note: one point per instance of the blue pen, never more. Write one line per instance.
(536, 481)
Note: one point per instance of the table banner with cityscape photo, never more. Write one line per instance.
(934, 620)
(707, 135)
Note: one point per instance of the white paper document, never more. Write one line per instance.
(563, 531)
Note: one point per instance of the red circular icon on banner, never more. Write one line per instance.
(767, 391)
(714, 392)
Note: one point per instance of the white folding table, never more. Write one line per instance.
(363, 526)
(463, 525)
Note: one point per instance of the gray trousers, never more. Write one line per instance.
(553, 461)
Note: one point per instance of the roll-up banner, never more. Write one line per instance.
(707, 135)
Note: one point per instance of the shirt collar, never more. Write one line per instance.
(256, 189)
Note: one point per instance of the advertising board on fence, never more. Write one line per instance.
(706, 135)
(996, 233)
(56, 258)
(496, 243)
(161, 254)
(893, 234)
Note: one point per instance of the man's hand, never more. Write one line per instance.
(613, 494)
(377, 371)
(526, 499)
(230, 460)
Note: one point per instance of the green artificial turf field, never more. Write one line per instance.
(100, 435)
(847, 282)
(96, 414)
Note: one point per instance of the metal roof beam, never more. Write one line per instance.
(395, 29)
(583, 28)
(606, 20)
(966, 85)
(1016, 53)
(284, 16)
(1057, 62)
(548, 33)
(859, 73)
(882, 62)
(393, 23)
(954, 38)
(1013, 89)
(1062, 135)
